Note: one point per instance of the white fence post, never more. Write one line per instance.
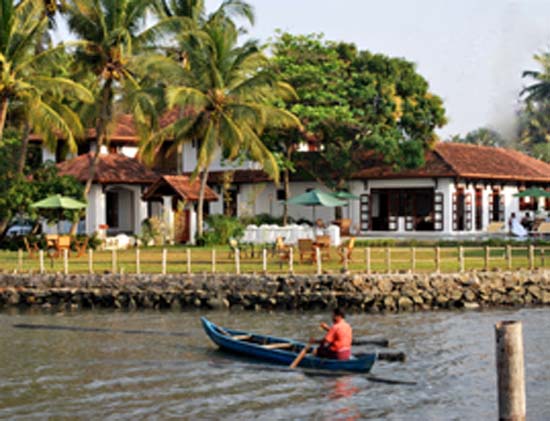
(213, 260)
(65, 261)
(138, 261)
(90, 261)
(164, 258)
(264, 260)
(237, 261)
(41, 260)
(188, 261)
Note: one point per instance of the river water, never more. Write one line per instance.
(152, 365)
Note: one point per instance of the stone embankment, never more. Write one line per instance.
(366, 293)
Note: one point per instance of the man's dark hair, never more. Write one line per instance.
(339, 312)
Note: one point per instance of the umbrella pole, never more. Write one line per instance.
(314, 219)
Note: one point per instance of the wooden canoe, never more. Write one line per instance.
(280, 350)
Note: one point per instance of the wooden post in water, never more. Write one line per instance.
(138, 261)
(486, 258)
(19, 260)
(90, 261)
(531, 252)
(113, 261)
(213, 260)
(264, 261)
(388, 260)
(413, 259)
(437, 259)
(41, 260)
(461, 259)
(367, 260)
(65, 261)
(510, 371)
(509, 256)
(291, 260)
(237, 261)
(318, 259)
(164, 256)
(188, 258)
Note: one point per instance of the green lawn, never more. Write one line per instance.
(400, 259)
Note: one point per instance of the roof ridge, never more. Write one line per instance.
(438, 153)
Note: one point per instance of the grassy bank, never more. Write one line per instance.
(377, 259)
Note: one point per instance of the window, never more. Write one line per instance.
(281, 194)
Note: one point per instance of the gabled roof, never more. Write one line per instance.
(180, 185)
(123, 128)
(458, 160)
(111, 169)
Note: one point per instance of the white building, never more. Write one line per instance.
(461, 189)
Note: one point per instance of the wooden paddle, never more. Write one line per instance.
(392, 356)
(301, 355)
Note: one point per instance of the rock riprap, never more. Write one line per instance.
(366, 293)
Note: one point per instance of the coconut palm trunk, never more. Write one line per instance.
(200, 204)
(286, 182)
(24, 148)
(101, 130)
(3, 114)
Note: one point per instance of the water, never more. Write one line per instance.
(149, 365)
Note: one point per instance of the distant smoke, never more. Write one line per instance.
(521, 36)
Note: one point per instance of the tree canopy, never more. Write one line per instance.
(351, 100)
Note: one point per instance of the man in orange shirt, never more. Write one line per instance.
(337, 342)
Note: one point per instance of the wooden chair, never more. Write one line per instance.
(81, 247)
(542, 229)
(31, 248)
(495, 227)
(345, 250)
(323, 242)
(63, 243)
(282, 250)
(305, 248)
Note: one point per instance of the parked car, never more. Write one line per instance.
(20, 228)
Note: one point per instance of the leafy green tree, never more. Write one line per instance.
(25, 85)
(111, 33)
(19, 191)
(352, 101)
(225, 93)
(483, 136)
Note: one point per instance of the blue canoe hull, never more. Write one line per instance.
(254, 348)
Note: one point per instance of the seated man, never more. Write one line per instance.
(337, 342)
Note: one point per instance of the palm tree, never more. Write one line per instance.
(226, 95)
(25, 83)
(110, 34)
(540, 89)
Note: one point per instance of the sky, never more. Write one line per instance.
(472, 52)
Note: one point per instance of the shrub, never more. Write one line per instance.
(220, 229)
(262, 219)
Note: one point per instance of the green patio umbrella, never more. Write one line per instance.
(533, 192)
(316, 198)
(344, 195)
(59, 202)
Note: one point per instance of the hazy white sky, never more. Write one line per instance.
(472, 52)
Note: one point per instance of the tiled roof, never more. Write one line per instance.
(472, 161)
(123, 128)
(449, 159)
(111, 169)
(180, 184)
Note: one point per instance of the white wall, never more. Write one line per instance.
(189, 161)
(254, 199)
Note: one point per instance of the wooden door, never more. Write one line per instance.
(182, 228)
